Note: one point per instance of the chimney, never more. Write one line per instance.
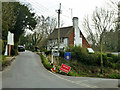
(75, 22)
(77, 38)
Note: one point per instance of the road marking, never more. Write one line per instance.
(74, 81)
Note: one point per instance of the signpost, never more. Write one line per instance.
(67, 56)
(65, 68)
(10, 43)
(54, 53)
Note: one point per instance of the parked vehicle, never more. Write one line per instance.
(21, 48)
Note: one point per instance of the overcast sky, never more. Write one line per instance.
(80, 8)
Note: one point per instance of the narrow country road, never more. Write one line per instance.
(27, 71)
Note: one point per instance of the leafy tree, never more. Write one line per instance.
(110, 41)
(8, 18)
(24, 19)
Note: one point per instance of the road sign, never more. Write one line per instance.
(67, 55)
(65, 68)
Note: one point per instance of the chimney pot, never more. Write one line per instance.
(75, 22)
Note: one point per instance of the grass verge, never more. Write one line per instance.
(48, 66)
(45, 62)
(79, 69)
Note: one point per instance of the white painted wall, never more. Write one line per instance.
(53, 44)
(10, 38)
(66, 43)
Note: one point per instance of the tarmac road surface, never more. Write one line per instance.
(27, 71)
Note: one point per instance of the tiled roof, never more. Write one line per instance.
(64, 32)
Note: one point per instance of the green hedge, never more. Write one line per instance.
(48, 52)
(45, 62)
(2, 46)
(1, 42)
(2, 60)
(115, 76)
(84, 64)
(82, 56)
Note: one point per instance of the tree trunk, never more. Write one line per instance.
(101, 57)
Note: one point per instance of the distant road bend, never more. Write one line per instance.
(27, 71)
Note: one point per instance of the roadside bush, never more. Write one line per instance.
(81, 55)
(71, 73)
(48, 52)
(113, 62)
(42, 49)
(118, 66)
(115, 58)
(115, 76)
(78, 53)
(105, 60)
(84, 64)
(57, 70)
(1, 42)
(62, 54)
(109, 54)
(15, 49)
(110, 59)
(92, 60)
(2, 60)
(2, 46)
(45, 62)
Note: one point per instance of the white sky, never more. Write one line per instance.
(80, 8)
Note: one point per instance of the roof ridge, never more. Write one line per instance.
(63, 27)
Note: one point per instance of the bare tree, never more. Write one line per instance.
(89, 32)
(101, 22)
(44, 27)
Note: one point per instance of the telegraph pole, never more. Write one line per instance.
(59, 12)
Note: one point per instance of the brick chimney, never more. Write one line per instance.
(77, 38)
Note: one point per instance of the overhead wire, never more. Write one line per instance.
(39, 8)
(42, 8)
(47, 10)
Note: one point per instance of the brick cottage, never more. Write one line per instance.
(71, 35)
